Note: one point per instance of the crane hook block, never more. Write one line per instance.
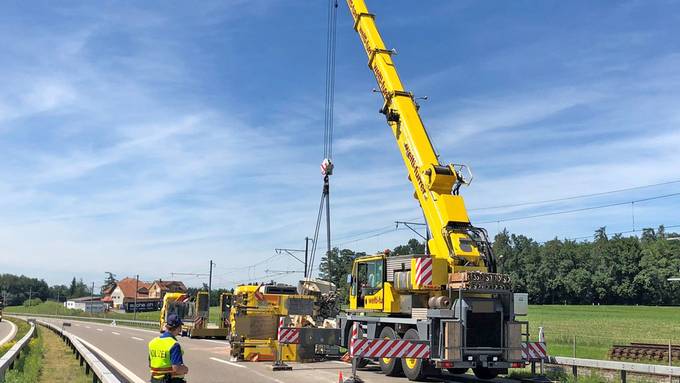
(326, 167)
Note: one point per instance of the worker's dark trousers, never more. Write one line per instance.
(168, 380)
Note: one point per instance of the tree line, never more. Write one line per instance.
(17, 289)
(613, 269)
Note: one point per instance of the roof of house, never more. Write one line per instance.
(86, 299)
(127, 286)
(170, 285)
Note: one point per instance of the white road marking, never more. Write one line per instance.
(224, 342)
(88, 327)
(100, 330)
(115, 333)
(128, 374)
(11, 334)
(251, 370)
(228, 362)
(135, 338)
(77, 325)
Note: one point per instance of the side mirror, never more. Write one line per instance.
(349, 279)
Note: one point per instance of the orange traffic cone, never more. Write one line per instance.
(340, 379)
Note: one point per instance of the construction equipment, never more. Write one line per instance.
(450, 297)
(194, 313)
(255, 315)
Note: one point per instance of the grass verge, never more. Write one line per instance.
(59, 364)
(22, 329)
(27, 367)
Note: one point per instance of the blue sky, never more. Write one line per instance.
(152, 137)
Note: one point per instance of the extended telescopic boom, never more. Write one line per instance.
(436, 185)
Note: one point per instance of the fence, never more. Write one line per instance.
(623, 367)
(123, 322)
(7, 360)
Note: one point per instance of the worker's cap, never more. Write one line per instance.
(173, 321)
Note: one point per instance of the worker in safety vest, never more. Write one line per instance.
(165, 354)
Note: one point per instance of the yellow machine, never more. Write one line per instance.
(451, 296)
(254, 320)
(195, 314)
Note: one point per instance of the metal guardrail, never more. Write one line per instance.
(133, 323)
(622, 367)
(7, 360)
(99, 371)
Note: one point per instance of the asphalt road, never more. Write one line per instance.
(7, 331)
(208, 360)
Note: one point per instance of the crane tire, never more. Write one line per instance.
(414, 369)
(390, 366)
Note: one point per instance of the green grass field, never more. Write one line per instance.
(597, 328)
(54, 308)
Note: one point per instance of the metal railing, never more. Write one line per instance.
(7, 360)
(622, 367)
(122, 322)
(94, 366)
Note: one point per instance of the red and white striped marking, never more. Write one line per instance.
(389, 348)
(423, 271)
(534, 351)
(289, 335)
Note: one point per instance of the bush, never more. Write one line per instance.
(32, 302)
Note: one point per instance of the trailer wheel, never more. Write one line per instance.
(414, 369)
(458, 371)
(390, 366)
(485, 373)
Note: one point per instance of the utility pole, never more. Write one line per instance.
(92, 300)
(209, 289)
(306, 254)
(30, 292)
(136, 291)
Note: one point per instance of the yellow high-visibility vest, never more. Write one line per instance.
(159, 356)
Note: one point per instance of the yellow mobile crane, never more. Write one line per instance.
(451, 297)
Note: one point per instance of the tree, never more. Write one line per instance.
(109, 282)
(412, 247)
(72, 289)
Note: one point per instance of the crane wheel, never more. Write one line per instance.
(390, 366)
(485, 373)
(414, 369)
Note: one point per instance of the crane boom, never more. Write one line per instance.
(436, 185)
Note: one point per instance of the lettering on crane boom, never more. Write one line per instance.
(416, 169)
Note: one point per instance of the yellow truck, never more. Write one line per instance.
(254, 321)
(194, 312)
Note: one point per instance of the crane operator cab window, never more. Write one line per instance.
(369, 280)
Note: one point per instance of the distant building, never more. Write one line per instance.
(159, 288)
(125, 292)
(88, 304)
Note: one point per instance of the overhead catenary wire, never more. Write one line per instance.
(579, 196)
(548, 214)
(355, 237)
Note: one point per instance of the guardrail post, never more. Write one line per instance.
(670, 359)
(623, 376)
(574, 370)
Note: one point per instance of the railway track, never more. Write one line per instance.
(644, 352)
